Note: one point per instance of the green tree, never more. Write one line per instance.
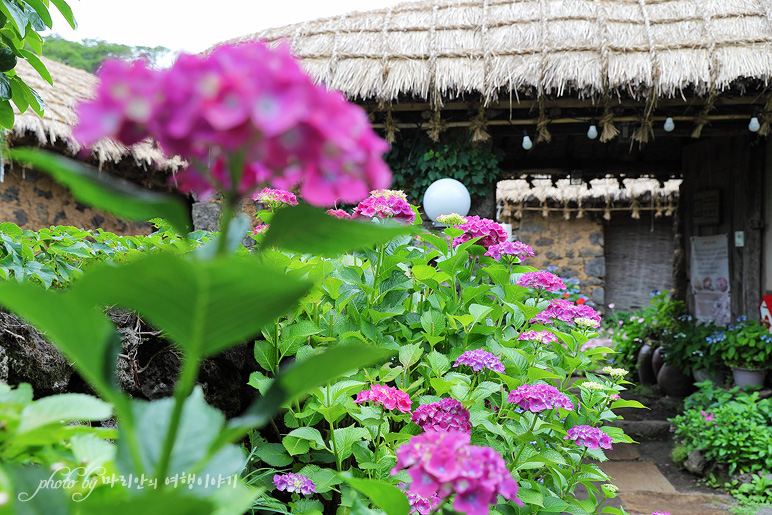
(89, 54)
(21, 21)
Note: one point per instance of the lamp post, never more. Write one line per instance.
(444, 197)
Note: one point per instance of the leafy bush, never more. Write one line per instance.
(745, 344)
(736, 432)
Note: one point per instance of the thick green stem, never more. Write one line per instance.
(338, 463)
(228, 209)
(185, 384)
(530, 430)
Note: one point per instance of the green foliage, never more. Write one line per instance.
(736, 432)
(416, 162)
(21, 21)
(89, 54)
(746, 344)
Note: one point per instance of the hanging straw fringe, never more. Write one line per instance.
(436, 127)
(390, 126)
(580, 213)
(519, 211)
(607, 211)
(545, 210)
(566, 211)
(645, 128)
(636, 214)
(766, 118)
(701, 120)
(609, 131)
(543, 133)
(670, 208)
(658, 207)
(479, 125)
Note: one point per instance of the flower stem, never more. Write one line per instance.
(530, 430)
(228, 209)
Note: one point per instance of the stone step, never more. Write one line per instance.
(633, 476)
(644, 502)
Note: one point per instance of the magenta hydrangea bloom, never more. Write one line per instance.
(539, 397)
(565, 311)
(445, 415)
(259, 229)
(443, 463)
(294, 483)
(339, 214)
(479, 359)
(420, 504)
(244, 104)
(541, 281)
(276, 198)
(385, 206)
(510, 248)
(544, 336)
(590, 437)
(661, 513)
(388, 396)
(491, 232)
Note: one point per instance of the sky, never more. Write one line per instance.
(194, 25)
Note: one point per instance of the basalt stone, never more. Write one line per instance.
(590, 252)
(532, 226)
(593, 281)
(575, 262)
(21, 216)
(567, 272)
(31, 176)
(573, 239)
(97, 220)
(41, 211)
(595, 267)
(11, 194)
(696, 463)
(596, 238)
(598, 296)
(552, 255)
(81, 206)
(43, 193)
(60, 216)
(570, 253)
(544, 242)
(206, 216)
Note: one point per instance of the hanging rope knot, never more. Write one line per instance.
(636, 210)
(609, 130)
(545, 210)
(436, 126)
(519, 211)
(702, 119)
(390, 126)
(566, 211)
(542, 132)
(479, 126)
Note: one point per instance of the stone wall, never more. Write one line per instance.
(571, 249)
(33, 200)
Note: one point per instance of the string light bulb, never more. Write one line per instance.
(592, 132)
(669, 124)
(527, 143)
(754, 124)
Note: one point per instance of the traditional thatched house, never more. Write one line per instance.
(32, 200)
(674, 89)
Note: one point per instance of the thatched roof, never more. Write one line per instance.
(71, 86)
(606, 189)
(437, 49)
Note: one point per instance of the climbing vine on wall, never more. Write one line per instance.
(416, 162)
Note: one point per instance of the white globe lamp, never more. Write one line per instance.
(444, 197)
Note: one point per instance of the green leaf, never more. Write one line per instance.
(121, 198)
(168, 501)
(295, 445)
(204, 306)
(6, 114)
(389, 498)
(311, 231)
(410, 354)
(37, 64)
(438, 362)
(7, 59)
(274, 454)
(309, 433)
(265, 355)
(15, 15)
(42, 10)
(66, 12)
(67, 407)
(324, 479)
(5, 87)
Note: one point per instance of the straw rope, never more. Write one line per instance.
(434, 96)
(436, 126)
(542, 132)
(609, 130)
(479, 126)
(645, 129)
(390, 127)
(703, 117)
(766, 117)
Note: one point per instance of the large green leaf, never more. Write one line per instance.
(6, 114)
(15, 15)
(37, 64)
(42, 11)
(121, 198)
(68, 406)
(309, 230)
(82, 332)
(389, 498)
(203, 306)
(66, 12)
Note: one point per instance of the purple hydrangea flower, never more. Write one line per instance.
(479, 359)
(294, 483)
(590, 437)
(545, 337)
(510, 248)
(419, 504)
(446, 415)
(491, 232)
(541, 281)
(565, 311)
(539, 397)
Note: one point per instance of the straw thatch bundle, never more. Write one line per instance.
(437, 49)
(71, 86)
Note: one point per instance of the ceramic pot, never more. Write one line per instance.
(673, 382)
(646, 373)
(657, 361)
(745, 377)
(714, 376)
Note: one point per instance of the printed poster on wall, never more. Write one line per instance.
(710, 278)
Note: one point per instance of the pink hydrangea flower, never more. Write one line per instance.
(339, 214)
(275, 198)
(491, 232)
(294, 483)
(565, 311)
(661, 513)
(444, 463)
(445, 415)
(544, 336)
(420, 504)
(510, 248)
(243, 105)
(387, 396)
(479, 359)
(259, 229)
(590, 437)
(539, 397)
(384, 206)
(707, 416)
(541, 281)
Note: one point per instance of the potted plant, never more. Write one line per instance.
(746, 347)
